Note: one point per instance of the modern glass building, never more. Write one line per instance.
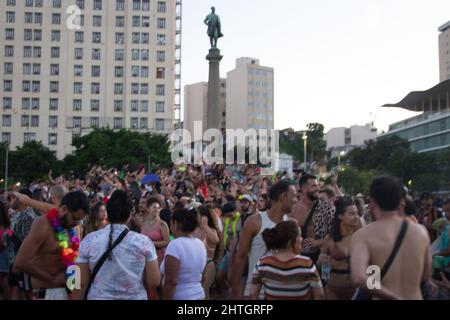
(429, 131)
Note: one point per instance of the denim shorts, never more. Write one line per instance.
(4, 263)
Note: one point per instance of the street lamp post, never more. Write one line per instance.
(305, 140)
(6, 167)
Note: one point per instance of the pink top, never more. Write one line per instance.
(155, 234)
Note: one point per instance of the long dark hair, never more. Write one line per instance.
(341, 206)
(281, 236)
(187, 219)
(204, 211)
(119, 208)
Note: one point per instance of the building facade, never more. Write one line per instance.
(444, 52)
(73, 65)
(346, 139)
(196, 105)
(250, 96)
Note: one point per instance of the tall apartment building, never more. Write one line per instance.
(250, 96)
(196, 105)
(119, 67)
(346, 139)
(444, 52)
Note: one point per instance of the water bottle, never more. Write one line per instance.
(325, 269)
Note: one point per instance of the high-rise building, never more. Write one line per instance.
(444, 52)
(104, 63)
(346, 139)
(196, 105)
(250, 96)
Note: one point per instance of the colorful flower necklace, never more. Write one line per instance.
(69, 254)
(4, 237)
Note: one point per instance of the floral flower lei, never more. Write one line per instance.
(4, 237)
(69, 254)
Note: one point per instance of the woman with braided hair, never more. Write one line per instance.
(130, 265)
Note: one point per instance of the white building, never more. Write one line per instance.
(250, 96)
(444, 52)
(345, 139)
(119, 68)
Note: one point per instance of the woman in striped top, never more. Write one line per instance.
(284, 273)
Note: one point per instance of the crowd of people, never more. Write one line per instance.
(219, 232)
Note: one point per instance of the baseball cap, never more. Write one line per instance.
(245, 197)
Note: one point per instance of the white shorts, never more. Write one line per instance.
(56, 294)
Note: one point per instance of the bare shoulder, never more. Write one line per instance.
(419, 230)
(253, 223)
(364, 232)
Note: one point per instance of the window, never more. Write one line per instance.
(96, 54)
(118, 105)
(76, 122)
(160, 73)
(76, 105)
(37, 52)
(97, 4)
(52, 139)
(79, 36)
(37, 35)
(144, 88)
(118, 88)
(118, 72)
(144, 54)
(146, 21)
(161, 39)
(27, 52)
(27, 34)
(29, 137)
(25, 103)
(145, 37)
(136, 37)
(28, 3)
(53, 104)
(160, 106)
(8, 68)
(38, 18)
(120, 38)
(95, 122)
(144, 123)
(9, 51)
(160, 124)
(120, 21)
(160, 88)
(136, 4)
(120, 5)
(134, 105)
(54, 69)
(7, 103)
(78, 88)
(7, 85)
(95, 88)
(97, 21)
(6, 120)
(136, 21)
(135, 88)
(27, 68)
(95, 105)
(118, 123)
(161, 23)
(54, 86)
(28, 17)
(6, 137)
(144, 105)
(9, 34)
(135, 54)
(35, 121)
(134, 123)
(96, 37)
(119, 54)
(26, 86)
(78, 53)
(55, 52)
(95, 72)
(56, 35)
(56, 18)
(144, 72)
(135, 71)
(145, 5)
(56, 3)
(36, 68)
(25, 121)
(78, 70)
(36, 86)
(38, 3)
(53, 121)
(10, 17)
(161, 7)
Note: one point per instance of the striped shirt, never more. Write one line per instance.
(286, 280)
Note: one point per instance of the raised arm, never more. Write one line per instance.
(38, 205)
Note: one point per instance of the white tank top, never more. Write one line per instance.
(258, 248)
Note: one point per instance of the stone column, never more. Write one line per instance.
(213, 111)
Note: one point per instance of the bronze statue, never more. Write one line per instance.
(214, 27)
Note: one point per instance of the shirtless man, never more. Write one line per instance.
(315, 225)
(40, 254)
(251, 244)
(373, 244)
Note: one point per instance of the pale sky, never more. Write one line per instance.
(335, 62)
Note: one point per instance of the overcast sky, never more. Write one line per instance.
(336, 62)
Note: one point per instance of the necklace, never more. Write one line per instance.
(68, 254)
